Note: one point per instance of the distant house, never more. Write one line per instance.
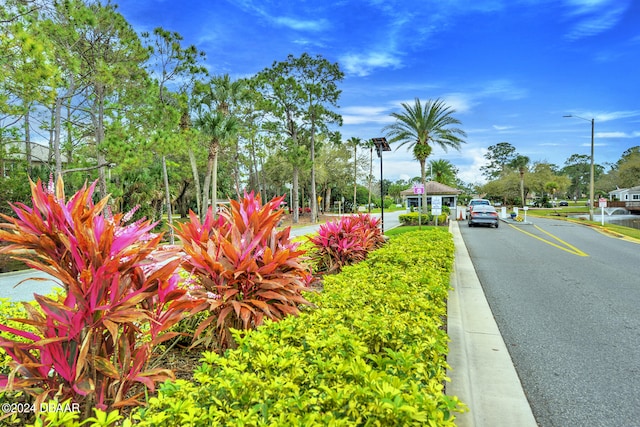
(39, 156)
(449, 196)
(625, 194)
(630, 197)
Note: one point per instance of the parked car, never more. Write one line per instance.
(483, 215)
(564, 203)
(474, 202)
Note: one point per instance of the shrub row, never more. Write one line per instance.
(371, 353)
(413, 218)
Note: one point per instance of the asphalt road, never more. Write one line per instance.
(566, 300)
(21, 285)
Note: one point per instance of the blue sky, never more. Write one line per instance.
(510, 68)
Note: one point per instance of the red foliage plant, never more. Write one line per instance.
(121, 295)
(345, 242)
(242, 268)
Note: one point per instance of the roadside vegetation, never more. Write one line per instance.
(512, 178)
(338, 331)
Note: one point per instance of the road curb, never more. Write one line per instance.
(482, 372)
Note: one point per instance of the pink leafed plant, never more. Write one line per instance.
(345, 242)
(121, 295)
(243, 268)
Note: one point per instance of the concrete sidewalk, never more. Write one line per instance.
(482, 374)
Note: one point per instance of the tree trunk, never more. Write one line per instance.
(236, 168)
(207, 180)
(214, 182)
(370, 177)
(254, 169)
(99, 133)
(522, 188)
(167, 195)
(57, 112)
(294, 196)
(264, 182)
(196, 181)
(314, 201)
(27, 141)
(355, 176)
(327, 199)
(423, 177)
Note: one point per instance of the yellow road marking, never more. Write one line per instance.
(567, 247)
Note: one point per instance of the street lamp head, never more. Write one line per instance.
(381, 145)
(577, 117)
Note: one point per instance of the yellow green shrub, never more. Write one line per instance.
(372, 353)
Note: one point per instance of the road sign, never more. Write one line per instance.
(418, 189)
(602, 202)
(436, 205)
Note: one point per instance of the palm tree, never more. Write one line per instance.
(353, 141)
(219, 96)
(421, 127)
(368, 143)
(443, 171)
(520, 163)
(218, 127)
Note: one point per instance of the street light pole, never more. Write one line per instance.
(381, 145)
(591, 169)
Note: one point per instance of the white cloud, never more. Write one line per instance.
(301, 25)
(607, 116)
(461, 102)
(588, 6)
(595, 16)
(502, 88)
(363, 64)
(615, 115)
(611, 135)
(364, 114)
(471, 159)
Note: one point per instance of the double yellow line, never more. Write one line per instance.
(566, 246)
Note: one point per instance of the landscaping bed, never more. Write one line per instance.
(347, 329)
(373, 352)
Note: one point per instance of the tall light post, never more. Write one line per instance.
(591, 172)
(381, 145)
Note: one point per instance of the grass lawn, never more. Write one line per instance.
(406, 229)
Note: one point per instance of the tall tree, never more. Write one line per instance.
(175, 69)
(423, 126)
(216, 127)
(112, 58)
(499, 157)
(444, 171)
(219, 98)
(318, 80)
(520, 163)
(368, 143)
(299, 93)
(577, 167)
(280, 92)
(355, 142)
(629, 168)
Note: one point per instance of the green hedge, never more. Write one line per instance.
(412, 219)
(372, 353)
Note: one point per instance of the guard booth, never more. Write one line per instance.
(432, 188)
